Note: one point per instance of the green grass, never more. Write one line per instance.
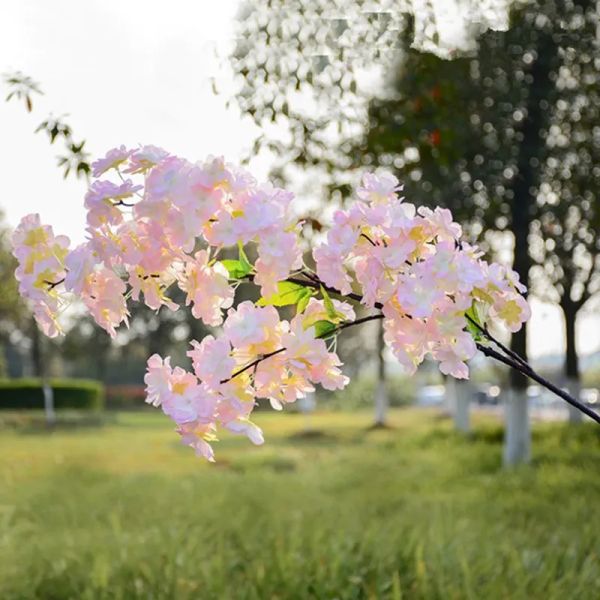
(415, 511)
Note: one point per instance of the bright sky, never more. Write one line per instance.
(134, 72)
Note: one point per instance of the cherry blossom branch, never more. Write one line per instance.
(318, 284)
(512, 359)
(339, 328)
(485, 331)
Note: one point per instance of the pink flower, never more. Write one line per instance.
(41, 270)
(441, 224)
(330, 269)
(512, 309)
(378, 187)
(452, 357)
(207, 288)
(113, 159)
(102, 200)
(157, 379)
(212, 360)
(145, 158)
(105, 299)
(316, 311)
(308, 356)
(187, 401)
(278, 254)
(250, 325)
(247, 428)
(197, 436)
(79, 264)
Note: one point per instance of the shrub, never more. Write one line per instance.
(27, 394)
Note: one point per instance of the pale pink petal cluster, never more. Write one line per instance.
(207, 288)
(230, 372)
(412, 264)
(41, 270)
(112, 160)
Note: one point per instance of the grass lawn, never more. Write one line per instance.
(415, 511)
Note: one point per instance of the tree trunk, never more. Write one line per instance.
(517, 440)
(462, 394)
(572, 375)
(381, 395)
(517, 436)
(450, 395)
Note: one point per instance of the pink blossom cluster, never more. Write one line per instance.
(142, 236)
(156, 221)
(222, 390)
(412, 264)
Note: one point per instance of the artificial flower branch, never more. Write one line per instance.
(509, 358)
(408, 263)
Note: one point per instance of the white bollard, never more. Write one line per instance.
(381, 403)
(48, 402)
(462, 399)
(450, 395)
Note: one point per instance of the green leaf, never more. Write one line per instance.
(329, 307)
(244, 259)
(303, 302)
(476, 316)
(323, 329)
(287, 293)
(236, 269)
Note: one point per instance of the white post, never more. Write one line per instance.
(48, 402)
(306, 406)
(462, 399)
(450, 393)
(381, 403)
(517, 438)
(381, 395)
(574, 387)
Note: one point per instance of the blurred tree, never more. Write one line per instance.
(307, 69)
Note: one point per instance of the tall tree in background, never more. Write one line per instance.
(309, 67)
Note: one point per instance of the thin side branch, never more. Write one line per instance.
(529, 372)
(339, 328)
(485, 331)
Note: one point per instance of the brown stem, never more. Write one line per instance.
(364, 235)
(53, 284)
(498, 343)
(529, 372)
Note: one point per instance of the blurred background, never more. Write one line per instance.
(395, 487)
